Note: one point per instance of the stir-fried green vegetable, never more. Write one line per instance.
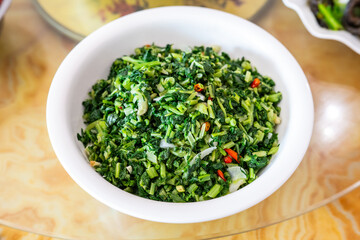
(181, 126)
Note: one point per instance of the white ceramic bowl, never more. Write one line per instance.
(309, 20)
(91, 59)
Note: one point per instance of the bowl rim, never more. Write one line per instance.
(145, 208)
(308, 19)
(3, 7)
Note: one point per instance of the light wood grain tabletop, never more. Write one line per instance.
(339, 220)
(38, 196)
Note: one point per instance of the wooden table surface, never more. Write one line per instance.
(339, 220)
(37, 194)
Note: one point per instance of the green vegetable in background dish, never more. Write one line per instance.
(179, 126)
(337, 14)
(331, 15)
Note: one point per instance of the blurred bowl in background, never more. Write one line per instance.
(302, 8)
(77, 19)
(4, 5)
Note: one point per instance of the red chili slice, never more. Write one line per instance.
(255, 83)
(233, 154)
(198, 87)
(221, 175)
(207, 126)
(227, 159)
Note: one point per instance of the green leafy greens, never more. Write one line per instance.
(151, 134)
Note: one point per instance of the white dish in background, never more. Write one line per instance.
(302, 8)
(91, 59)
(3, 7)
